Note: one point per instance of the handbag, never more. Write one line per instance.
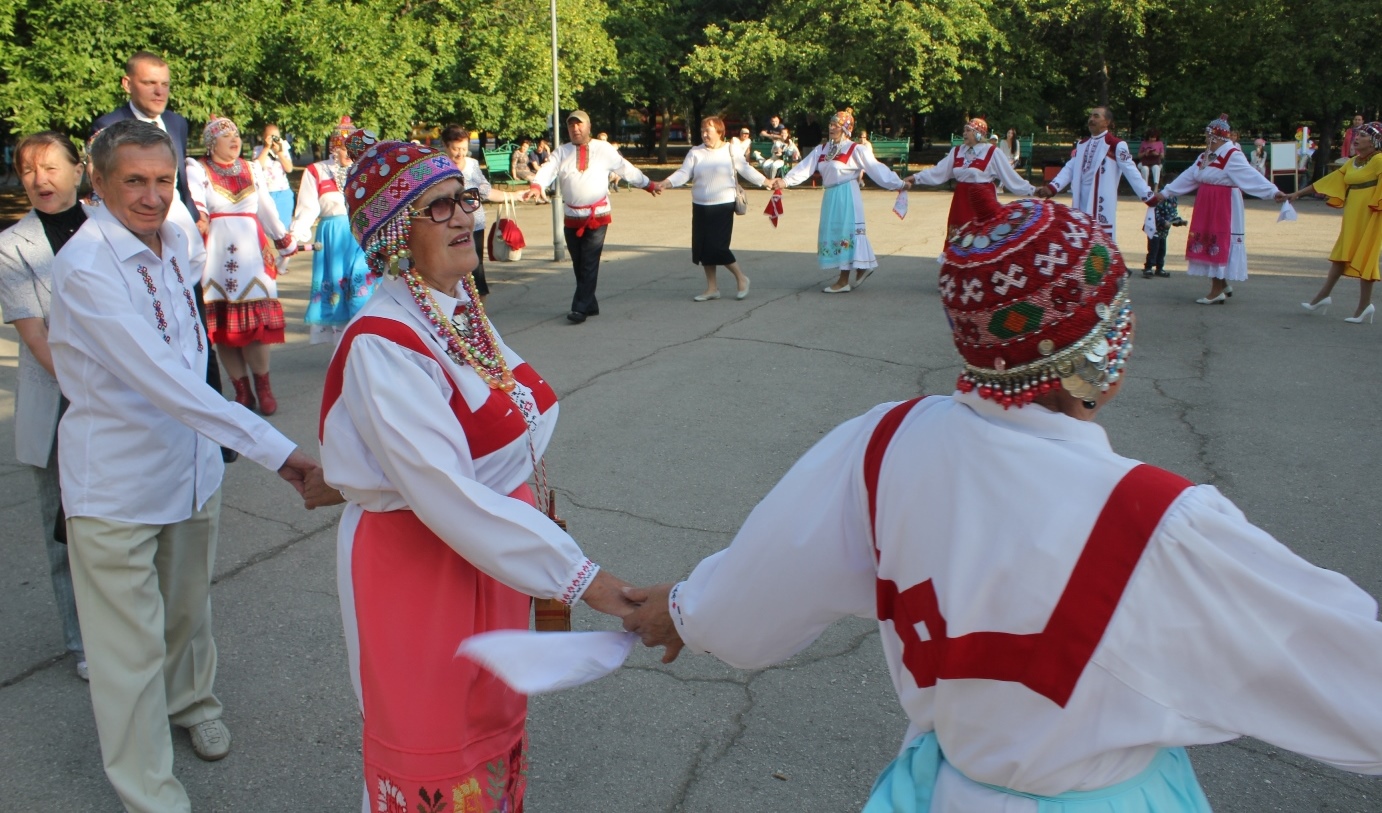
(505, 237)
(741, 199)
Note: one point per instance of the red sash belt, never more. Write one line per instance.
(590, 221)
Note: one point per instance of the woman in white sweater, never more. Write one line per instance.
(710, 167)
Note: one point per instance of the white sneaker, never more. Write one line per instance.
(211, 740)
(83, 671)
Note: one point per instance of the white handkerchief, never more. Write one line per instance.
(900, 207)
(538, 662)
(1149, 223)
(1288, 212)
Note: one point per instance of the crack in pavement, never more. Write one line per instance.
(814, 349)
(707, 754)
(1200, 366)
(266, 555)
(258, 558)
(622, 512)
(276, 521)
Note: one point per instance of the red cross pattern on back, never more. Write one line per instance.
(1049, 662)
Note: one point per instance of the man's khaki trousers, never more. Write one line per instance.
(144, 600)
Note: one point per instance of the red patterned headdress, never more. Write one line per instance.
(385, 179)
(1036, 298)
(980, 126)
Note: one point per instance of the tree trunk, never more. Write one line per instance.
(666, 111)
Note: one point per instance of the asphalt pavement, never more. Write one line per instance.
(676, 417)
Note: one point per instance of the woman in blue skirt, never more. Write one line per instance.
(341, 281)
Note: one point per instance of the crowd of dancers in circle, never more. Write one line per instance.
(1173, 621)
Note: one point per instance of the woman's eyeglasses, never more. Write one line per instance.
(442, 210)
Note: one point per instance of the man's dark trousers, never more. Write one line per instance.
(585, 261)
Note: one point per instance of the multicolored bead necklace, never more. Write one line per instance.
(476, 347)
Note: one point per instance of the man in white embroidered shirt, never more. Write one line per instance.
(582, 168)
(142, 471)
(1092, 174)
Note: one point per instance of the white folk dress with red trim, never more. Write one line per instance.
(1215, 245)
(439, 541)
(1040, 667)
(979, 165)
(842, 240)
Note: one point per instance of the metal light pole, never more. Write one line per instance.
(558, 240)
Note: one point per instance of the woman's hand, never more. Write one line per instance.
(606, 594)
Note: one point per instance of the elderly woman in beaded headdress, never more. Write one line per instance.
(974, 164)
(1354, 187)
(1215, 246)
(842, 242)
(431, 428)
(341, 280)
(1058, 620)
(245, 244)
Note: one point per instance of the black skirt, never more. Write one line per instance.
(711, 229)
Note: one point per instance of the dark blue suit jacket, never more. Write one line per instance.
(177, 130)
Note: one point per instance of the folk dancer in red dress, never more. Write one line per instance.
(1059, 620)
(431, 428)
(245, 245)
(975, 164)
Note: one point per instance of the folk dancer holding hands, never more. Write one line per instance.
(842, 242)
(1215, 246)
(1059, 620)
(1092, 174)
(1354, 187)
(582, 167)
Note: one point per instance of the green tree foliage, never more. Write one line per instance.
(1031, 64)
(302, 63)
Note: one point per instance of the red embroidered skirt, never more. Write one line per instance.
(961, 212)
(437, 728)
(237, 324)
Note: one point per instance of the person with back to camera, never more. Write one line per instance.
(1059, 621)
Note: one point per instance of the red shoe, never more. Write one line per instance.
(244, 396)
(268, 404)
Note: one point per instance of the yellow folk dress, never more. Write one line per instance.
(1357, 190)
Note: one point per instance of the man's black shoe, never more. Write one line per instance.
(575, 317)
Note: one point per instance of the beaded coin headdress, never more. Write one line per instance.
(1036, 298)
(1219, 128)
(386, 178)
(980, 126)
(1372, 130)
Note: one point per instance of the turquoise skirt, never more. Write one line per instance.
(341, 281)
(1168, 785)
